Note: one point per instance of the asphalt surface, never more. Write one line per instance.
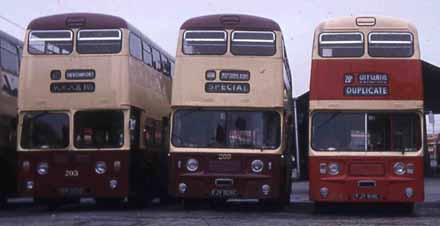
(300, 212)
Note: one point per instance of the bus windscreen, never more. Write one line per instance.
(104, 41)
(204, 42)
(226, 129)
(52, 42)
(45, 130)
(343, 131)
(386, 44)
(253, 43)
(341, 44)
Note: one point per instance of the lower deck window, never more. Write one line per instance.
(226, 129)
(99, 129)
(45, 130)
(343, 131)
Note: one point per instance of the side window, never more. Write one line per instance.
(135, 46)
(9, 57)
(146, 52)
(157, 64)
(166, 67)
(172, 68)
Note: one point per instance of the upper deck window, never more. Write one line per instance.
(45, 130)
(386, 44)
(253, 43)
(102, 41)
(344, 131)
(135, 44)
(53, 42)
(341, 44)
(9, 57)
(204, 42)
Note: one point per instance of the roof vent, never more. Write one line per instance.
(75, 22)
(365, 21)
(230, 20)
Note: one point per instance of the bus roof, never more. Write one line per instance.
(373, 22)
(11, 39)
(230, 21)
(77, 20)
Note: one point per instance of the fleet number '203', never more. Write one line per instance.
(71, 173)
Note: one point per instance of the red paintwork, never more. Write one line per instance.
(389, 186)
(247, 183)
(327, 78)
(93, 185)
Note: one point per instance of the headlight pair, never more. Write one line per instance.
(332, 168)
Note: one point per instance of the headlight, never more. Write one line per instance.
(323, 168)
(257, 166)
(399, 168)
(100, 167)
(192, 165)
(43, 168)
(333, 169)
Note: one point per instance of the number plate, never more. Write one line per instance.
(358, 196)
(71, 192)
(223, 193)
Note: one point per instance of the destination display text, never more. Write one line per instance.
(80, 74)
(220, 87)
(366, 91)
(373, 78)
(234, 75)
(76, 87)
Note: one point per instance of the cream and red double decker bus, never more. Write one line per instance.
(93, 109)
(10, 53)
(366, 112)
(230, 104)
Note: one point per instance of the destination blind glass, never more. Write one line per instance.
(226, 129)
(103, 41)
(204, 42)
(343, 131)
(386, 44)
(59, 42)
(341, 44)
(253, 43)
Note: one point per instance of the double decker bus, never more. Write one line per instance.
(231, 106)
(93, 110)
(10, 53)
(366, 113)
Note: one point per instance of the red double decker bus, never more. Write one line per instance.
(366, 113)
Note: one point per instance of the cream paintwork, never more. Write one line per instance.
(366, 105)
(266, 87)
(121, 82)
(348, 24)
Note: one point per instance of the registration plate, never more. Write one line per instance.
(71, 192)
(224, 193)
(363, 196)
